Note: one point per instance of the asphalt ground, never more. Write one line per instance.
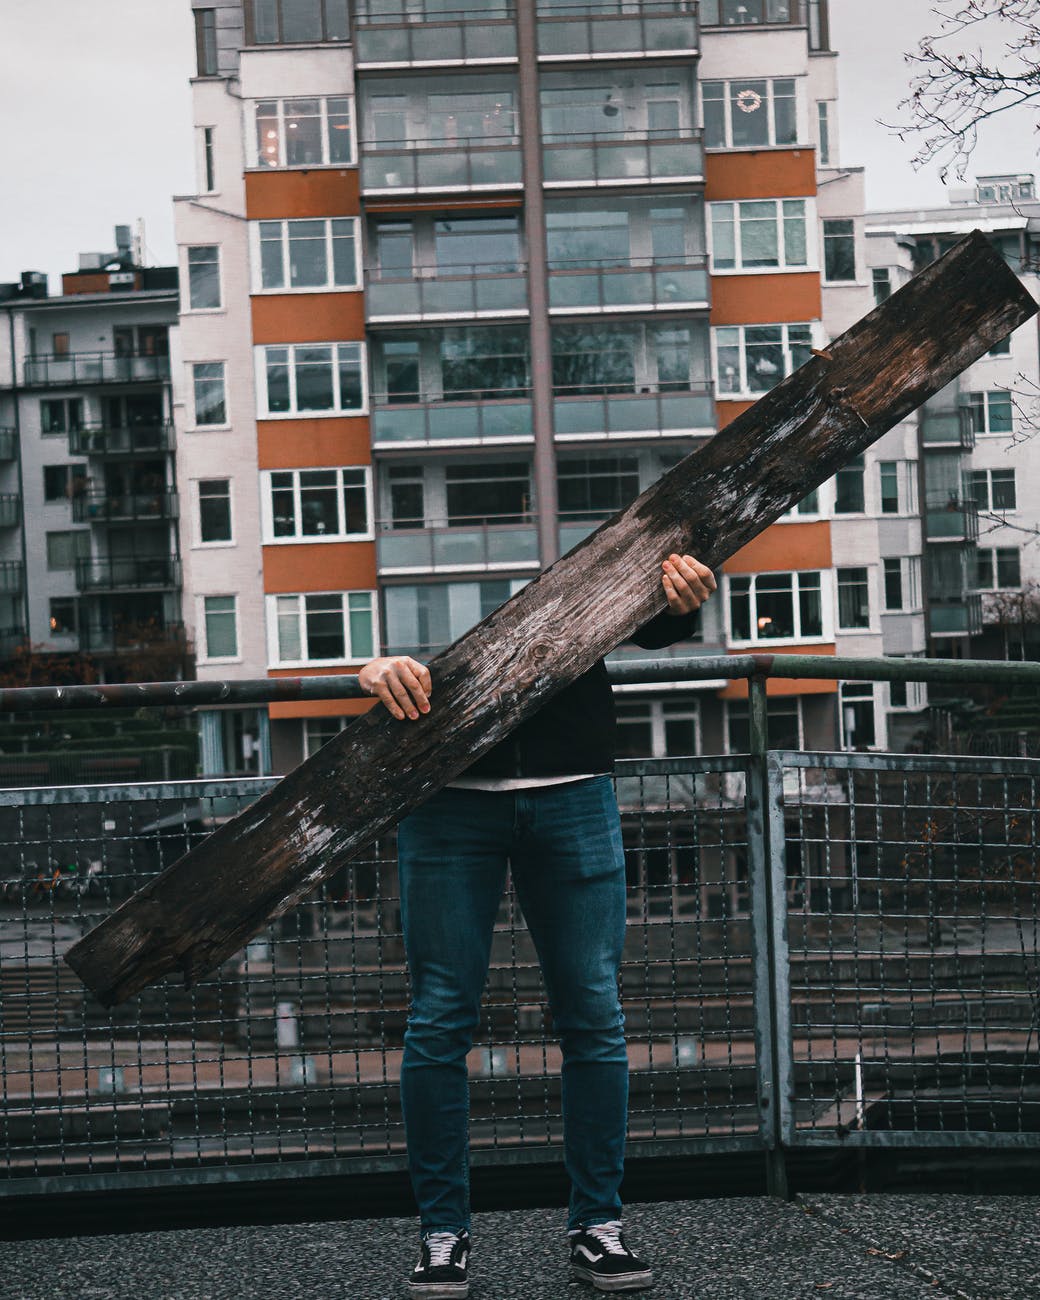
(874, 1247)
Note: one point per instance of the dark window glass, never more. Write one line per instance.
(206, 41)
(488, 494)
(283, 504)
(1003, 489)
(848, 488)
(63, 616)
(853, 598)
(839, 250)
(889, 487)
(325, 629)
(1009, 570)
(595, 487)
(893, 584)
(215, 510)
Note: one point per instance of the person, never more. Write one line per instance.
(542, 803)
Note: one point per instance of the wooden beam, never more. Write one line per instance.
(203, 908)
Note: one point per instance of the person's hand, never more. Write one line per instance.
(403, 684)
(687, 583)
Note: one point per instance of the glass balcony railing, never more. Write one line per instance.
(951, 519)
(642, 282)
(12, 576)
(945, 429)
(484, 543)
(120, 440)
(124, 507)
(957, 616)
(406, 35)
(75, 368)
(10, 640)
(426, 293)
(420, 166)
(751, 13)
(620, 156)
(628, 415)
(138, 573)
(8, 444)
(440, 423)
(568, 29)
(113, 638)
(10, 509)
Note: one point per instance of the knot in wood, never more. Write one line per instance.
(539, 651)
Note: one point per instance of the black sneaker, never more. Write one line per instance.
(441, 1273)
(599, 1255)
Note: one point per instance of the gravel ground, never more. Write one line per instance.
(845, 1248)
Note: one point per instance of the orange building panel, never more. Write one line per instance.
(784, 546)
(727, 412)
(308, 317)
(323, 192)
(306, 444)
(765, 299)
(738, 690)
(760, 174)
(316, 708)
(324, 566)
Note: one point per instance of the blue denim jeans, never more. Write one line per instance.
(563, 845)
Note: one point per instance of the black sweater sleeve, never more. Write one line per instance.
(665, 629)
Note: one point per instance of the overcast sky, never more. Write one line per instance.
(95, 100)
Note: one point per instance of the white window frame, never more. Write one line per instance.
(799, 142)
(198, 544)
(989, 471)
(271, 604)
(855, 629)
(329, 286)
(310, 749)
(209, 428)
(186, 308)
(856, 255)
(909, 582)
(267, 507)
(201, 622)
(252, 150)
(744, 393)
(336, 412)
(827, 612)
(810, 221)
(799, 714)
(996, 584)
(986, 394)
(856, 693)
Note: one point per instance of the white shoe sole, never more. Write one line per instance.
(439, 1290)
(620, 1282)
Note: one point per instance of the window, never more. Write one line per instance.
(753, 358)
(991, 489)
(322, 627)
(407, 492)
(221, 620)
(312, 379)
(809, 505)
(657, 728)
(206, 41)
(823, 130)
(990, 412)
(209, 163)
(425, 618)
(316, 504)
(889, 471)
(208, 384)
(497, 493)
(304, 132)
(857, 714)
(64, 616)
(204, 278)
(839, 250)
(61, 414)
(626, 358)
(308, 254)
(905, 694)
(286, 22)
(60, 344)
(62, 482)
(749, 114)
(853, 598)
(594, 487)
(893, 583)
(726, 13)
(319, 731)
(214, 510)
(784, 720)
(998, 567)
(775, 606)
(902, 583)
(1001, 349)
(882, 279)
(765, 234)
(848, 488)
(64, 549)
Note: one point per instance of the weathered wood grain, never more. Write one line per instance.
(213, 900)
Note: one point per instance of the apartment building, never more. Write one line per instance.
(458, 283)
(978, 449)
(88, 512)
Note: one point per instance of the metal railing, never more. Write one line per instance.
(431, 293)
(123, 573)
(825, 950)
(582, 31)
(487, 36)
(620, 157)
(489, 417)
(439, 545)
(10, 509)
(483, 163)
(12, 575)
(120, 440)
(646, 414)
(8, 443)
(69, 370)
(582, 286)
(124, 507)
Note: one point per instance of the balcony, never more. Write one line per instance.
(752, 13)
(130, 573)
(76, 369)
(407, 40)
(634, 415)
(951, 519)
(120, 440)
(623, 158)
(578, 31)
(428, 422)
(108, 637)
(11, 638)
(8, 444)
(12, 576)
(428, 167)
(458, 293)
(10, 509)
(957, 615)
(639, 284)
(124, 507)
(484, 543)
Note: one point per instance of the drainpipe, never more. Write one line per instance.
(18, 461)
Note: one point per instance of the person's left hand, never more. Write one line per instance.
(687, 583)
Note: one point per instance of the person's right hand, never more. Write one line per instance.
(403, 684)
